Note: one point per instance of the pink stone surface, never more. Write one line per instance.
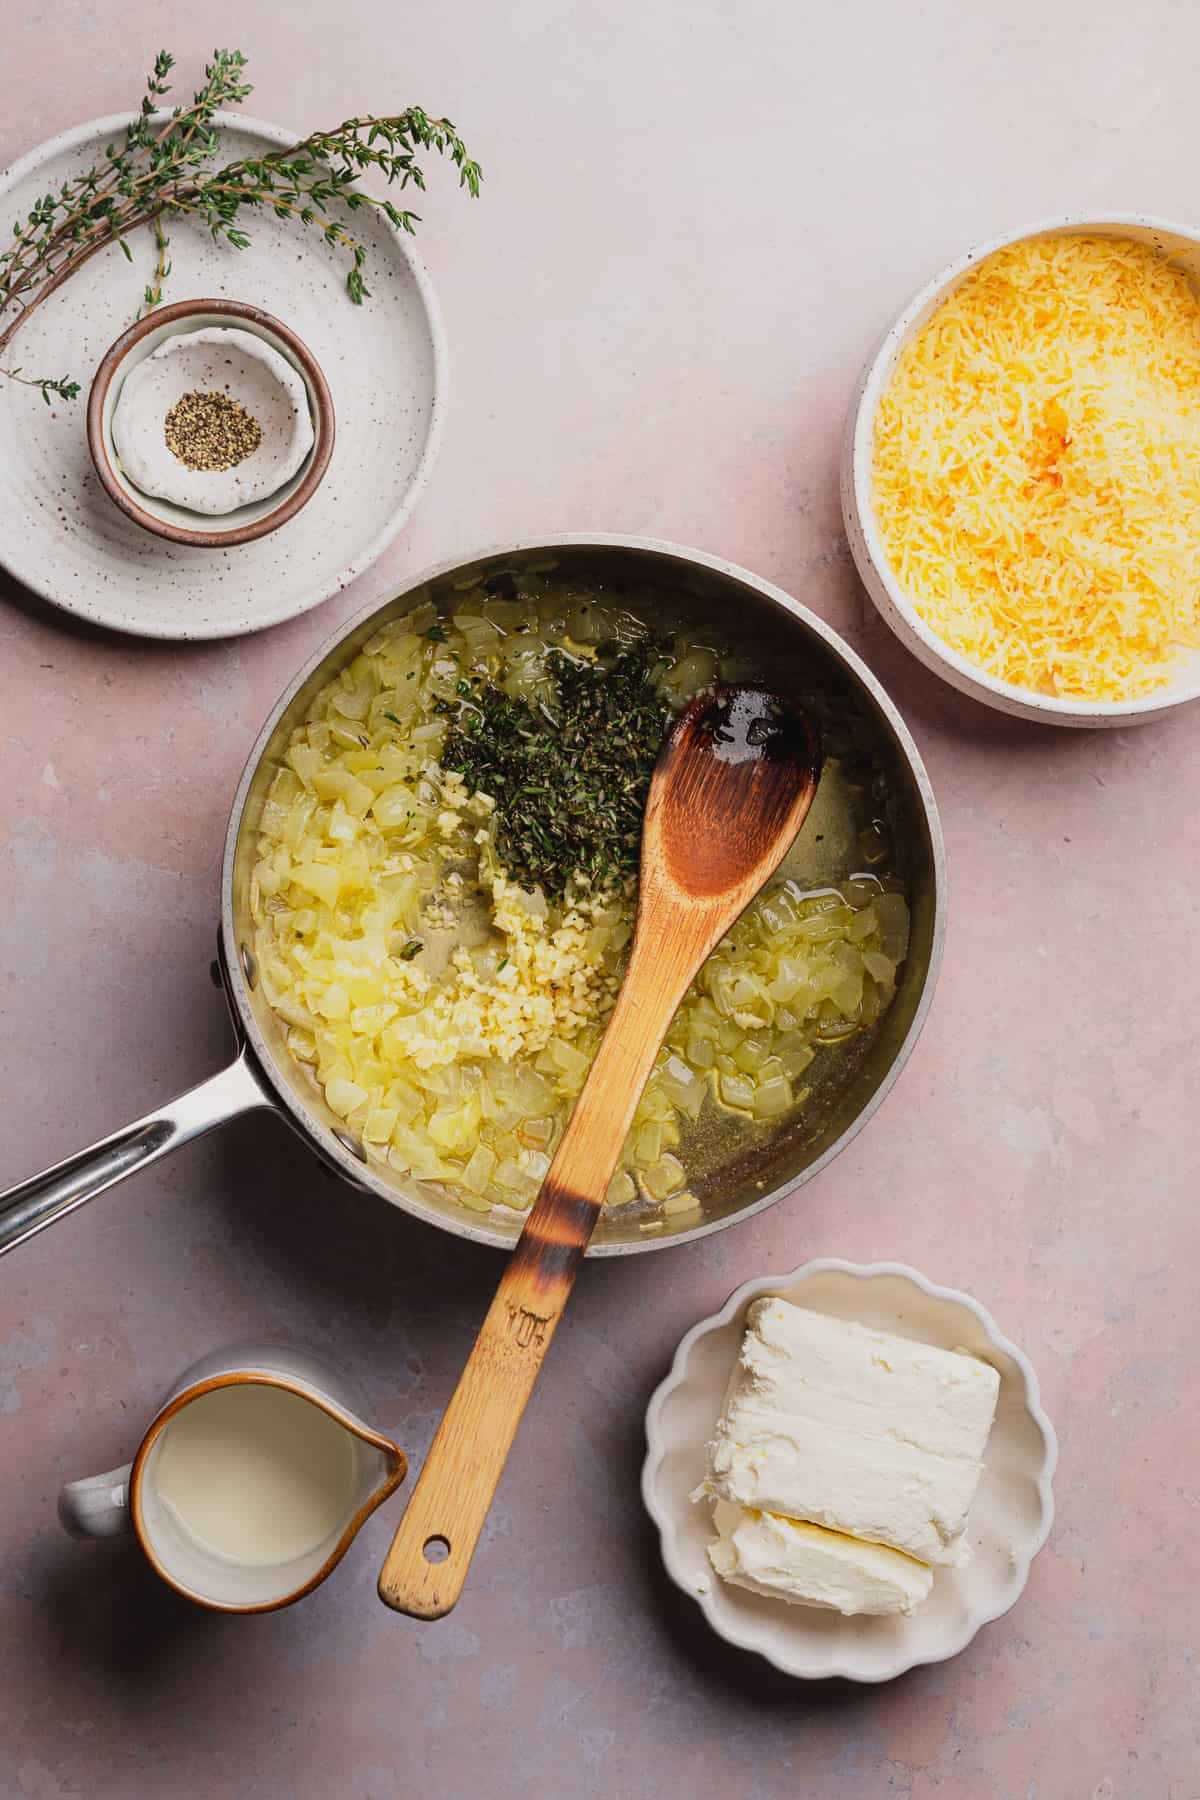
(697, 219)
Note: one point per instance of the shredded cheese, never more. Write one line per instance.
(1037, 467)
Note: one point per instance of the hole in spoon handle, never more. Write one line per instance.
(425, 1569)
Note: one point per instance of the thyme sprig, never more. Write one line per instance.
(62, 385)
(164, 166)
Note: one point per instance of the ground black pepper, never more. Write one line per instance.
(211, 432)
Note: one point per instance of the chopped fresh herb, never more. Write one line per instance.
(502, 964)
(436, 634)
(393, 718)
(412, 947)
(569, 779)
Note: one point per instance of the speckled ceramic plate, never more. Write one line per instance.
(385, 363)
(1009, 1521)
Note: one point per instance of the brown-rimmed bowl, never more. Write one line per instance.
(178, 524)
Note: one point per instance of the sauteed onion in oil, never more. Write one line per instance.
(447, 1004)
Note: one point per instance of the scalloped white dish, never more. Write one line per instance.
(1009, 1522)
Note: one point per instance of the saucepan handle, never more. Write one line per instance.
(32, 1205)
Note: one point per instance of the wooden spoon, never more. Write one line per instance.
(734, 781)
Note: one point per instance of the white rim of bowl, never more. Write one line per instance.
(862, 455)
(657, 1449)
(108, 125)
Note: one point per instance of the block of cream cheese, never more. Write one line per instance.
(865, 1433)
(792, 1560)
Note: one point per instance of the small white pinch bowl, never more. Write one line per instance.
(1182, 244)
(1009, 1522)
(181, 524)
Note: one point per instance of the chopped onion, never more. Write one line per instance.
(737, 1091)
(663, 1177)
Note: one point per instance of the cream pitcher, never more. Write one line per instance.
(250, 1483)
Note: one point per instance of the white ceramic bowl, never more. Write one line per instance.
(858, 505)
(164, 518)
(1009, 1521)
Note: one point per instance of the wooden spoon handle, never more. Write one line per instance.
(730, 791)
(450, 1502)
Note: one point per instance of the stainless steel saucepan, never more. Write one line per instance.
(739, 1180)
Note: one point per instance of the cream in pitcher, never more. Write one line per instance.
(250, 1483)
(255, 1473)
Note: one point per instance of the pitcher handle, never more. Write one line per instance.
(97, 1507)
(33, 1204)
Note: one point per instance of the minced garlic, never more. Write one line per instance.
(550, 984)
